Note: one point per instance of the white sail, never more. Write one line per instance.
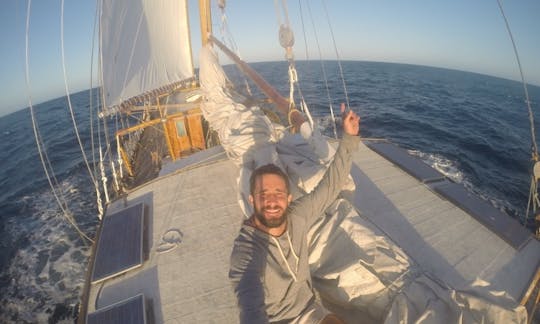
(145, 47)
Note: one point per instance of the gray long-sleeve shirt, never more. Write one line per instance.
(261, 264)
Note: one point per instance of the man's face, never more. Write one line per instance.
(270, 200)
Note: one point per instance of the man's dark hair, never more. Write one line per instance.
(267, 169)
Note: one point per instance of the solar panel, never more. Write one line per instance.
(129, 311)
(120, 244)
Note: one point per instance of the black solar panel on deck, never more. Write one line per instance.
(129, 311)
(120, 245)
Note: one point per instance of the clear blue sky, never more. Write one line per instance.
(460, 34)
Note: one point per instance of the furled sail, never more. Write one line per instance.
(145, 48)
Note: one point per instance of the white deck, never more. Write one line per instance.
(190, 283)
(442, 238)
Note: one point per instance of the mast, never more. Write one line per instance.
(206, 20)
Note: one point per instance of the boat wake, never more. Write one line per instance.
(41, 282)
(452, 171)
(445, 166)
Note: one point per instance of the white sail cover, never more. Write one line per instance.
(145, 46)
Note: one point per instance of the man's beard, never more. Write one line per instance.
(270, 223)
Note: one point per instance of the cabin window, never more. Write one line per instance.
(181, 128)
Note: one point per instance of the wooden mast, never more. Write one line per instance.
(205, 20)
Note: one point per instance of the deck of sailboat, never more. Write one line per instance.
(440, 236)
(189, 283)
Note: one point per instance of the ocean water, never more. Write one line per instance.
(473, 128)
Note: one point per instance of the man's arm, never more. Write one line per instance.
(313, 205)
(245, 274)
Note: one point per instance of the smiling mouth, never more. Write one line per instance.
(273, 212)
(271, 217)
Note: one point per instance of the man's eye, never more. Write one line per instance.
(279, 195)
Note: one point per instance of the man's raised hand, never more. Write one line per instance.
(351, 121)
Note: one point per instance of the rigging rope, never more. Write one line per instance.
(527, 99)
(102, 97)
(103, 176)
(324, 72)
(229, 39)
(40, 145)
(278, 15)
(104, 121)
(337, 56)
(303, 29)
(286, 40)
(533, 193)
(111, 162)
(68, 96)
(102, 160)
(91, 110)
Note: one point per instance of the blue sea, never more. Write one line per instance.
(473, 128)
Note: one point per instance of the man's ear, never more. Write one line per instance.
(289, 198)
(251, 199)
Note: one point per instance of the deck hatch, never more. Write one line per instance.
(499, 223)
(407, 162)
(129, 311)
(120, 245)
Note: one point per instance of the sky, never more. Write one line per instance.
(460, 34)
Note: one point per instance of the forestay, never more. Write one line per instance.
(145, 46)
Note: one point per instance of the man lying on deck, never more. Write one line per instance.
(269, 263)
